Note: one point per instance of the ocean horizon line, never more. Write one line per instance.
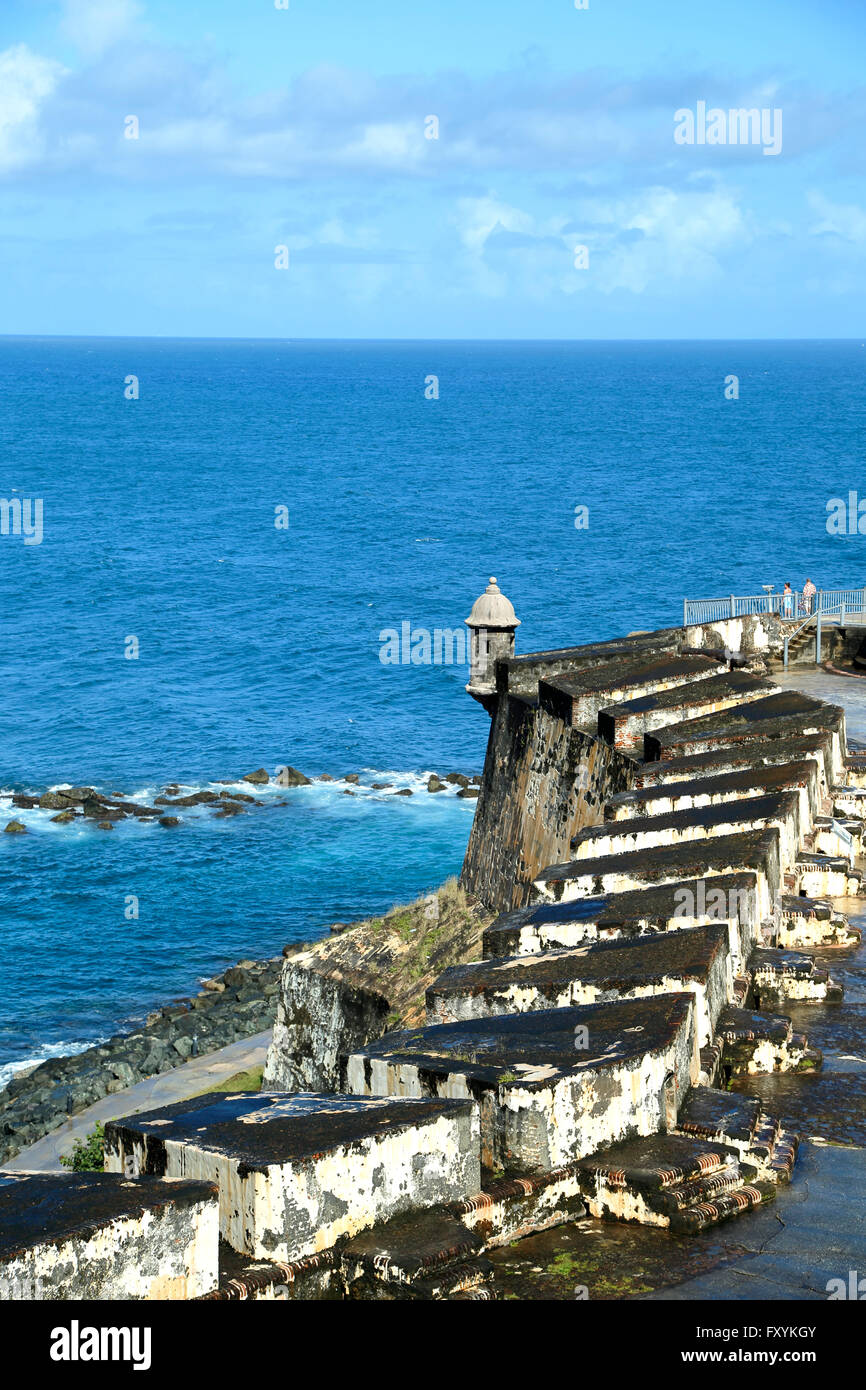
(329, 341)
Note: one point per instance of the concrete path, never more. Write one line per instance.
(186, 1080)
(813, 1233)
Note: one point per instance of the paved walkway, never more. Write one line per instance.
(186, 1080)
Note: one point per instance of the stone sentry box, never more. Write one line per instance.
(298, 1172)
(102, 1236)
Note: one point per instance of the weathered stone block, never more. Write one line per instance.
(103, 1236)
(295, 1173)
(696, 959)
(553, 1085)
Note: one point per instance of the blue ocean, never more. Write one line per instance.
(256, 519)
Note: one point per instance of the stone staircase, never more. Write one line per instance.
(673, 1180)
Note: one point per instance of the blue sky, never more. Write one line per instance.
(261, 127)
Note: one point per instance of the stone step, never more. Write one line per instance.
(408, 1250)
(729, 898)
(553, 1085)
(807, 922)
(670, 1180)
(750, 851)
(736, 1120)
(421, 1253)
(786, 715)
(695, 959)
(697, 824)
(837, 835)
(468, 1279)
(73, 1236)
(817, 747)
(315, 1278)
(577, 697)
(849, 801)
(298, 1172)
(626, 723)
(783, 1154)
(722, 1207)
(779, 975)
(510, 1208)
(744, 785)
(722, 1117)
(825, 876)
(754, 1044)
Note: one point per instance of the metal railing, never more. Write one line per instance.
(833, 605)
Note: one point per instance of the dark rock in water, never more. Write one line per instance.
(348, 792)
(26, 803)
(105, 825)
(131, 808)
(471, 793)
(351, 777)
(75, 796)
(97, 810)
(52, 801)
(457, 779)
(259, 778)
(229, 808)
(381, 786)
(404, 791)
(169, 820)
(174, 789)
(291, 777)
(325, 777)
(238, 796)
(64, 817)
(15, 828)
(339, 926)
(194, 799)
(434, 785)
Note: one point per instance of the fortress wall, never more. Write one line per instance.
(543, 781)
(763, 634)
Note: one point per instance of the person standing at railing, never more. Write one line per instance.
(809, 592)
(787, 602)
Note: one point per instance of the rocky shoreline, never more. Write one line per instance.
(237, 1004)
(105, 811)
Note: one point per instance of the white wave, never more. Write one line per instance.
(37, 818)
(48, 1050)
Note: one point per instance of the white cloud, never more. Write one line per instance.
(26, 80)
(94, 26)
(478, 218)
(843, 220)
(635, 243)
